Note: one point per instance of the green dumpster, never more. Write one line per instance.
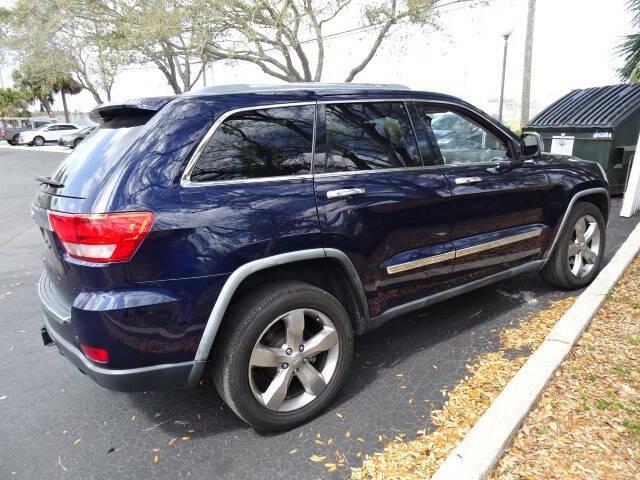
(599, 124)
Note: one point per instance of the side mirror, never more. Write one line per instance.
(532, 144)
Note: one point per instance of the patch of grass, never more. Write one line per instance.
(635, 341)
(614, 404)
(635, 305)
(633, 425)
(542, 429)
(602, 404)
(620, 370)
(592, 377)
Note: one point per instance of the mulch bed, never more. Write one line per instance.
(419, 458)
(587, 422)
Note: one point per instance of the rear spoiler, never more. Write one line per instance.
(107, 111)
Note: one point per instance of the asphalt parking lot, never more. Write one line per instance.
(56, 423)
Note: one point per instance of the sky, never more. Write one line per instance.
(574, 47)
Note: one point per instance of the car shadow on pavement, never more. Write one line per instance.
(202, 413)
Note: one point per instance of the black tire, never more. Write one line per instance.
(76, 142)
(38, 141)
(14, 140)
(557, 271)
(244, 325)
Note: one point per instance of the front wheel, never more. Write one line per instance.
(578, 255)
(283, 355)
(38, 141)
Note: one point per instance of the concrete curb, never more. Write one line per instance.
(45, 148)
(477, 454)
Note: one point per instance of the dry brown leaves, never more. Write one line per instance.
(587, 422)
(420, 458)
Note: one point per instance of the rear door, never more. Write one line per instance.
(498, 197)
(382, 201)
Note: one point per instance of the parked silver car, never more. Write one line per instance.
(73, 139)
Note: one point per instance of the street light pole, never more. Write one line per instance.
(526, 73)
(506, 36)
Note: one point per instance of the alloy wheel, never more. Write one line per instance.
(294, 360)
(584, 246)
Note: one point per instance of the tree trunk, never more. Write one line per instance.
(44, 101)
(64, 106)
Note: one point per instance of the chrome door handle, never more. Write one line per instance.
(346, 192)
(468, 180)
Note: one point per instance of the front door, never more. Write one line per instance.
(381, 202)
(499, 219)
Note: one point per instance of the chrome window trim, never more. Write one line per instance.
(404, 102)
(377, 171)
(443, 257)
(485, 117)
(185, 181)
(364, 100)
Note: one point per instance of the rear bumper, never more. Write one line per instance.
(170, 376)
(156, 377)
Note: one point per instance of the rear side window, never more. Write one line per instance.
(96, 156)
(270, 142)
(368, 136)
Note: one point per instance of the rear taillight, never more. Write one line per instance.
(98, 355)
(101, 237)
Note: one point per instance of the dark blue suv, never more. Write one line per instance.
(248, 233)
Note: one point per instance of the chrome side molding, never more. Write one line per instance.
(423, 262)
(498, 243)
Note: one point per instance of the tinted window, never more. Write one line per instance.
(259, 143)
(461, 141)
(365, 136)
(96, 156)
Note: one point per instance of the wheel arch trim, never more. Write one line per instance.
(572, 202)
(243, 272)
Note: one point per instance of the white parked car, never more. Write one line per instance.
(46, 133)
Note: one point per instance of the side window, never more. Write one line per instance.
(367, 136)
(261, 143)
(460, 140)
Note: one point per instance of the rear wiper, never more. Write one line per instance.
(48, 181)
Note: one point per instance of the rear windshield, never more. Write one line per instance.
(94, 158)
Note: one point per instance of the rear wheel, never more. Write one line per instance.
(577, 257)
(38, 141)
(14, 140)
(283, 355)
(76, 142)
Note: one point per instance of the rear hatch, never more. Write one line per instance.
(72, 188)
